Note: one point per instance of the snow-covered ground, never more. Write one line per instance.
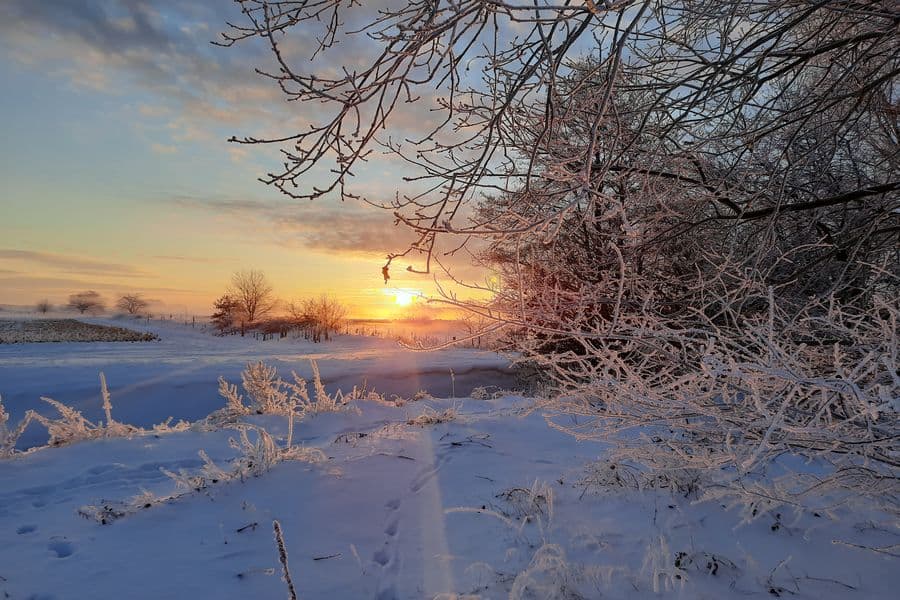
(176, 376)
(489, 504)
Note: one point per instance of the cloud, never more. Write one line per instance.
(322, 226)
(344, 229)
(71, 264)
(71, 285)
(160, 47)
(194, 259)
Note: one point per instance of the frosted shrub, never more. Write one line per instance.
(480, 393)
(822, 384)
(257, 454)
(659, 567)
(8, 438)
(432, 417)
(72, 427)
(491, 393)
(605, 474)
(547, 576)
(167, 427)
(112, 428)
(265, 389)
(69, 428)
(530, 505)
(208, 474)
(270, 394)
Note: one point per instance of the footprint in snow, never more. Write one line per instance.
(382, 557)
(26, 529)
(61, 548)
(391, 529)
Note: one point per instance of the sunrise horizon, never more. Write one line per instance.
(131, 109)
(445, 299)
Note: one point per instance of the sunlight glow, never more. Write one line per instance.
(403, 296)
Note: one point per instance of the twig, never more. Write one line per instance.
(282, 555)
(879, 550)
(827, 580)
(327, 557)
(358, 559)
(262, 571)
(403, 456)
(252, 525)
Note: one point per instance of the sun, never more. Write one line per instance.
(403, 297)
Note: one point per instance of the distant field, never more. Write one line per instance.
(15, 331)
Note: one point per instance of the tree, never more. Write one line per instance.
(87, 302)
(693, 206)
(300, 317)
(252, 291)
(328, 314)
(227, 314)
(43, 306)
(318, 318)
(133, 304)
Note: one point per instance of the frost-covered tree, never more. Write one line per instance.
(87, 302)
(327, 314)
(133, 304)
(318, 318)
(693, 206)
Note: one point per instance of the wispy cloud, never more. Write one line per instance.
(344, 229)
(161, 48)
(58, 285)
(322, 226)
(193, 259)
(71, 264)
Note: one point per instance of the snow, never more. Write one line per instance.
(176, 376)
(489, 502)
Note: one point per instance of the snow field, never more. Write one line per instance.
(433, 498)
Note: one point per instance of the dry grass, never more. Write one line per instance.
(433, 417)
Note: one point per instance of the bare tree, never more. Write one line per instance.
(300, 317)
(87, 302)
(318, 318)
(43, 306)
(322, 316)
(253, 292)
(133, 304)
(693, 205)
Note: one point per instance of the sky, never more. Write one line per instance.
(116, 174)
